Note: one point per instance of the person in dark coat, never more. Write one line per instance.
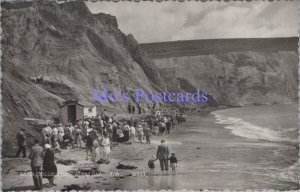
(49, 167)
(114, 133)
(67, 140)
(36, 156)
(133, 109)
(139, 108)
(47, 140)
(98, 123)
(163, 156)
(147, 134)
(126, 132)
(129, 108)
(88, 145)
(168, 126)
(172, 122)
(21, 142)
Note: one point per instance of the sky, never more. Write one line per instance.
(172, 21)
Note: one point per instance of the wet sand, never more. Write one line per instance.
(210, 157)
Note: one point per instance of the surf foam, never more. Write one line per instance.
(249, 130)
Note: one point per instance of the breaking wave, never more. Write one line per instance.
(248, 130)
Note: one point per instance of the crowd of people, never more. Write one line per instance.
(104, 129)
(98, 133)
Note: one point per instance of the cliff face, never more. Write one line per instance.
(234, 72)
(53, 52)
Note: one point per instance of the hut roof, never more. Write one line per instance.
(81, 103)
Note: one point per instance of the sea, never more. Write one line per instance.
(274, 124)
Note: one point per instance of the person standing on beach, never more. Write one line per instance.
(147, 133)
(132, 133)
(97, 121)
(172, 122)
(77, 136)
(140, 133)
(126, 132)
(88, 145)
(56, 147)
(173, 162)
(21, 142)
(114, 117)
(47, 140)
(95, 151)
(47, 130)
(36, 156)
(163, 156)
(49, 167)
(129, 107)
(60, 132)
(54, 131)
(139, 108)
(104, 113)
(151, 165)
(162, 127)
(132, 108)
(93, 134)
(120, 135)
(106, 147)
(168, 126)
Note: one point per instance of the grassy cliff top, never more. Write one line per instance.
(216, 46)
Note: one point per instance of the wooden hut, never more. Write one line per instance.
(72, 111)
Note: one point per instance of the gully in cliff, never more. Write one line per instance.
(140, 94)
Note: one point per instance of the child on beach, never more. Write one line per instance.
(140, 133)
(173, 163)
(151, 165)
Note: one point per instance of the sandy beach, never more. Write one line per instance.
(210, 157)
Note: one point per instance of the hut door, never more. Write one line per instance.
(72, 114)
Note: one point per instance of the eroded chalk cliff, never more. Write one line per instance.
(234, 72)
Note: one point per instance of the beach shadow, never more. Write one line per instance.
(26, 188)
(151, 181)
(164, 182)
(173, 182)
(21, 188)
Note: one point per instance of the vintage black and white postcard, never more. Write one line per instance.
(149, 95)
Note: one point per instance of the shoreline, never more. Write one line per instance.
(255, 128)
(210, 157)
